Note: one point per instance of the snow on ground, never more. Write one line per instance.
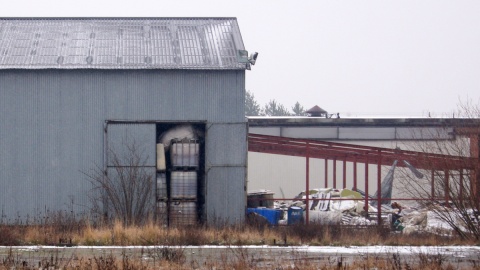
(351, 250)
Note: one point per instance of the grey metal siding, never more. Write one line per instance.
(226, 199)
(225, 143)
(226, 172)
(52, 121)
(122, 137)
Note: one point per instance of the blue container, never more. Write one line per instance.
(271, 215)
(295, 215)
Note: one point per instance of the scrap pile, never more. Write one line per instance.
(330, 206)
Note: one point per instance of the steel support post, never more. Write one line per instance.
(307, 184)
(366, 186)
(433, 185)
(355, 174)
(334, 173)
(447, 188)
(326, 173)
(379, 191)
(461, 187)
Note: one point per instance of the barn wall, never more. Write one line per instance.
(52, 130)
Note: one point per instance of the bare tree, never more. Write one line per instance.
(451, 186)
(126, 191)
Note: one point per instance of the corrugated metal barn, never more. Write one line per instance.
(71, 89)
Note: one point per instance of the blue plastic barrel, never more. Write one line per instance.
(271, 215)
(295, 215)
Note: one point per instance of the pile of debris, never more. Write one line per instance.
(330, 206)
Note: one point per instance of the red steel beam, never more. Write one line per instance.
(363, 154)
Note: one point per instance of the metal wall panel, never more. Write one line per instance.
(226, 165)
(425, 133)
(272, 131)
(366, 133)
(310, 132)
(146, 172)
(126, 139)
(226, 199)
(357, 133)
(226, 144)
(52, 125)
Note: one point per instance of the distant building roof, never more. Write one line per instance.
(316, 111)
(120, 43)
(294, 121)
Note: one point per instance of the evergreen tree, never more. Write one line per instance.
(252, 108)
(298, 110)
(273, 108)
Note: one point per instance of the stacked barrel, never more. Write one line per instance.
(184, 182)
(178, 206)
(161, 190)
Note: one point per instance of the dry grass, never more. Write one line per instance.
(166, 257)
(153, 234)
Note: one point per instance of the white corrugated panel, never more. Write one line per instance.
(310, 132)
(366, 133)
(271, 131)
(424, 133)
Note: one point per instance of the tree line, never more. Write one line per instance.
(272, 108)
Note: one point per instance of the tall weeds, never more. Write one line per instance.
(84, 233)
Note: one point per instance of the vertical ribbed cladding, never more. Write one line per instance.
(199, 95)
(224, 96)
(91, 105)
(226, 150)
(3, 145)
(51, 122)
(52, 129)
(225, 144)
(123, 137)
(226, 200)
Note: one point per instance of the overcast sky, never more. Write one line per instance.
(358, 58)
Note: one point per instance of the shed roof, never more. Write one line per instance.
(120, 43)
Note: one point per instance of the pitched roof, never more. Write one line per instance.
(120, 43)
(315, 110)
